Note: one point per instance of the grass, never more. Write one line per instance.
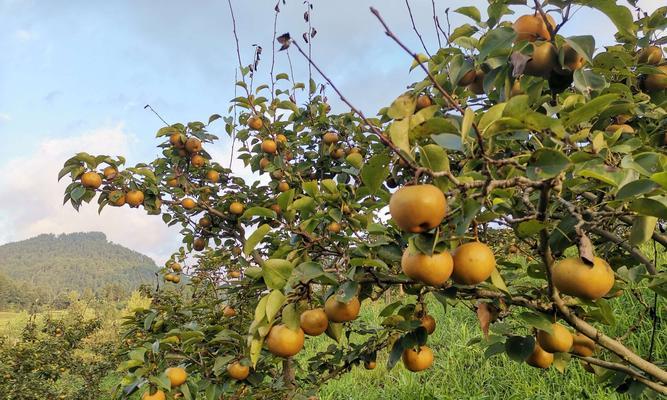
(461, 371)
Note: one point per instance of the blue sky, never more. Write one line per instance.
(75, 76)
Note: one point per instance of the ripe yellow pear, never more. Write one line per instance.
(135, 198)
(269, 146)
(418, 208)
(559, 341)
(177, 376)
(582, 345)
(236, 208)
(338, 311)
(474, 263)
(432, 270)
(575, 278)
(330, 138)
(193, 145)
(91, 180)
(416, 361)
(540, 358)
(656, 82)
(543, 60)
(532, 27)
(651, 55)
(428, 322)
(158, 395)
(238, 371)
(284, 342)
(255, 123)
(314, 322)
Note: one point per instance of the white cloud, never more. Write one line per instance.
(4, 117)
(29, 188)
(25, 35)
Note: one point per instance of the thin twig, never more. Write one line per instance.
(155, 112)
(435, 22)
(414, 27)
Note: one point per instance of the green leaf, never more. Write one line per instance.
(587, 81)
(492, 114)
(469, 11)
(259, 211)
(282, 75)
(465, 30)
(399, 132)
(466, 124)
(276, 272)
(347, 291)
(335, 331)
(255, 238)
(496, 41)
(375, 171)
(421, 58)
(536, 320)
(396, 353)
(642, 229)
(449, 141)
(518, 348)
(498, 281)
(584, 45)
(434, 157)
(529, 228)
(651, 207)
(589, 110)
(432, 126)
(274, 301)
(308, 271)
(290, 317)
(546, 163)
(403, 107)
(636, 188)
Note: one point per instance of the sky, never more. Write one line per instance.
(75, 75)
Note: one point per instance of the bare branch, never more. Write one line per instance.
(414, 27)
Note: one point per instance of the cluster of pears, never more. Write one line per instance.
(117, 197)
(285, 342)
(173, 276)
(544, 57)
(653, 55)
(420, 208)
(560, 340)
(176, 375)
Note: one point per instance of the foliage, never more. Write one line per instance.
(543, 153)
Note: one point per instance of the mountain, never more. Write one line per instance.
(55, 264)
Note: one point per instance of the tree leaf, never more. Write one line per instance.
(546, 163)
(259, 211)
(518, 348)
(642, 229)
(403, 107)
(469, 11)
(274, 301)
(276, 272)
(255, 238)
(536, 320)
(375, 171)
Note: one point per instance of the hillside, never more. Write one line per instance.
(53, 264)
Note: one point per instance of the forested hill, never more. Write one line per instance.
(54, 264)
